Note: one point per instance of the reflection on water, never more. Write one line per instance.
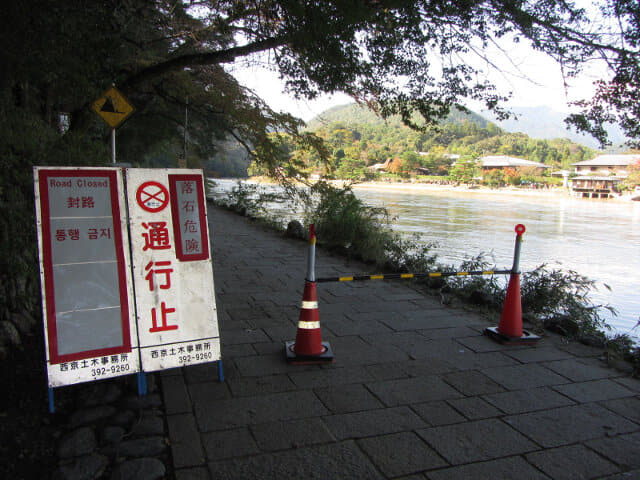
(597, 238)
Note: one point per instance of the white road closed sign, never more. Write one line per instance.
(87, 300)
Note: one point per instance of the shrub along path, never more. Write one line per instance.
(416, 390)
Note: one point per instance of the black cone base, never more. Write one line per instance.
(527, 337)
(293, 359)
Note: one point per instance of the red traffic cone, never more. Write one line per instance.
(308, 348)
(511, 318)
(510, 331)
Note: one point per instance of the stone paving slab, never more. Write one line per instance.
(183, 428)
(566, 425)
(427, 320)
(269, 362)
(416, 391)
(521, 377)
(342, 325)
(474, 408)
(522, 401)
(512, 467)
(204, 372)
(632, 384)
(348, 398)
(390, 371)
(420, 368)
(472, 383)
(329, 311)
(324, 377)
(229, 443)
(465, 361)
(578, 349)
(243, 335)
(373, 422)
(438, 413)
(476, 441)
(250, 387)
(291, 434)
(628, 407)
(282, 334)
(205, 392)
(593, 391)
(186, 447)
(223, 414)
(624, 450)
(623, 476)
(338, 460)
(574, 462)
(401, 340)
(401, 454)
(195, 473)
(581, 370)
(263, 321)
(538, 354)
(483, 344)
(176, 396)
(355, 351)
(448, 332)
(394, 311)
(438, 348)
(406, 391)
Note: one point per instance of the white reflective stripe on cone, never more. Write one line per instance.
(308, 325)
(309, 305)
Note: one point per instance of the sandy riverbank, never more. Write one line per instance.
(430, 188)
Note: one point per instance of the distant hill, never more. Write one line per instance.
(536, 122)
(544, 122)
(353, 113)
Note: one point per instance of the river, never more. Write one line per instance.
(599, 239)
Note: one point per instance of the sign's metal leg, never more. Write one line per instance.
(52, 407)
(113, 145)
(142, 384)
(220, 371)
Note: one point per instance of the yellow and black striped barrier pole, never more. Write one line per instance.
(403, 276)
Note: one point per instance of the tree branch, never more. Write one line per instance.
(208, 58)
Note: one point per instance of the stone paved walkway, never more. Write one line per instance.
(416, 390)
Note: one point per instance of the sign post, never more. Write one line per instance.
(113, 145)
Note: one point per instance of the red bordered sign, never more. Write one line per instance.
(84, 268)
(189, 219)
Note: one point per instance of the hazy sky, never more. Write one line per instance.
(532, 77)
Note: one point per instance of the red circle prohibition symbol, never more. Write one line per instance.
(520, 229)
(152, 196)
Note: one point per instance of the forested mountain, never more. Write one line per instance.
(355, 114)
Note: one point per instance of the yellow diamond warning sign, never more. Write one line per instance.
(113, 107)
